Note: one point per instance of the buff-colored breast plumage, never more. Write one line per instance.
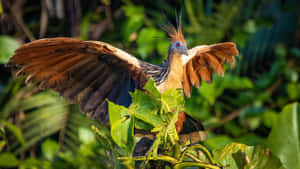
(174, 79)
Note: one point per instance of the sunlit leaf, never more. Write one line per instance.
(50, 148)
(146, 105)
(238, 156)
(172, 100)
(7, 47)
(150, 86)
(284, 139)
(122, 132)
(86, 135)
(116, 112)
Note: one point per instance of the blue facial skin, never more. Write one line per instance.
(180, 48)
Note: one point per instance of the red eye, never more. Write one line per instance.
(177, 44)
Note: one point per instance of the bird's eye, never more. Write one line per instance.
(177, 44)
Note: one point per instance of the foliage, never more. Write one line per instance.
(150, 110)
(284, 139)
(240, 111)
(7, 47)
(237, 156)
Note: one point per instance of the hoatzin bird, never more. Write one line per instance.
(88, 72)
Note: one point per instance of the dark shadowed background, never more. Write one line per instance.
(241, 107)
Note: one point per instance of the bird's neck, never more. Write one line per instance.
(174, 78)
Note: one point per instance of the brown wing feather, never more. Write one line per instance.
(194, 79)
(82, 71)
(186, 83)
(205, 60)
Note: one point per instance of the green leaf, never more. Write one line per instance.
(240, 156)
(15, 130)
(218, 142)
(8, 160)
(147, 41)
(293, 90)
(269, 118)
(116, 111)
(86, 135)
(211, 92)
(146, 105)
(7, 47)
(33, 163)
(41, 99)
(235, 82)
(145, 109)
(150, 86)
(84, 27)
(139, 124)
(172, 100)
(163, 47)
(284, 139)
(50, 148)
(250, 26)
(250, 139)
(135, 20)
(122, 132)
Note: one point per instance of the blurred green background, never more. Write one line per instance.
(44, 131)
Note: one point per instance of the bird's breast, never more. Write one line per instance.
(174, 79)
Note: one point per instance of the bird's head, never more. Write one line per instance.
(178, 45)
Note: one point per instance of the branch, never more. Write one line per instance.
(193, 137)
(16, 13)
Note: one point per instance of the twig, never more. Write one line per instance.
(273, 88)
(100, 28)
(44, 19)
(16, 13)
(233, 115)
(193, 157)
(236, 113)
(193, 164)
(159, 157)
(202, 148)
(193, 137)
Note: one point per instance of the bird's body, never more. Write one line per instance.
(174, 78)
(88, 72)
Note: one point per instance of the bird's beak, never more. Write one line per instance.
(184, 50)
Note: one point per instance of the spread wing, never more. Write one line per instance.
(87, 72)
(203, 60)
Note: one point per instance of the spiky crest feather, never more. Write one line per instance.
(175, 33)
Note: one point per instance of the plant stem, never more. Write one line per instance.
(191, 164)
(159, 157)
(202, 148)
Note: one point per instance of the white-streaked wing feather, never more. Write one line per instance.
(193, 52)
(120, 53)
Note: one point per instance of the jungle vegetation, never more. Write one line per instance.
(251, 116)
